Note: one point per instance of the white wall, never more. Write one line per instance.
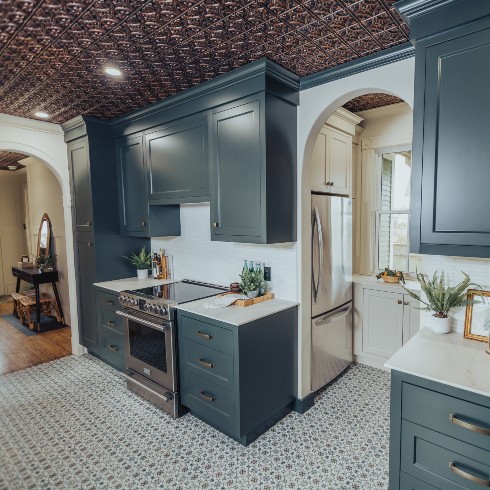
(197, 257)
(45, 141)
(44, 196)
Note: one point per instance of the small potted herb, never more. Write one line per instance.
(251, 282)
(391, 276)
(46, 263)
(441, 298)
(141, 261)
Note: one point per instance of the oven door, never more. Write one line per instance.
(150, 348)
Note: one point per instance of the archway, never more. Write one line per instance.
(316, 106)
(46, 143)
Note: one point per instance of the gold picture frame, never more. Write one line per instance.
(470, 332)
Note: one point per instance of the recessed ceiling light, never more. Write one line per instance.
(113, 72)
(43, 115)
(12, 167)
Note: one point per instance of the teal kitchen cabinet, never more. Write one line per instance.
(240, 379)
(177, 160)
(253, 174)
(137, 218)
(450, 170)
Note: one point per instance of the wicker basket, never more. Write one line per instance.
(391, 279)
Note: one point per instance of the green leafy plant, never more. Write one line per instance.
(251, 281)
(141, 261)
(440, 296)
(392, 273)
(47, 262)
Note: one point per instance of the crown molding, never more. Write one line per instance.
(33, 124)
(411, 9)
(366, 63)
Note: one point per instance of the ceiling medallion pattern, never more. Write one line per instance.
(371, 101)
(9, 158)
(53, 52)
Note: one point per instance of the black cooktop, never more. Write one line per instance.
(179, 292)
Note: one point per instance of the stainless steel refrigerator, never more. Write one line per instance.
(331, 287)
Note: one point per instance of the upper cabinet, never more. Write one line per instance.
(177, 160)
(331, 163)
(451, 146)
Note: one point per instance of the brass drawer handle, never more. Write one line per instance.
(208, 398)
(113, 348)
(111, 323)
(400, 301)
(207, 364)
(204, 335)
(215, 225)
(109, 302)
(467, 476)
(467, 425)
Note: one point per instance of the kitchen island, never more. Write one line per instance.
(440, 413)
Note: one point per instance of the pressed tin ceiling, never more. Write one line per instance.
(52, 52)
(9, 158)
(371, 101)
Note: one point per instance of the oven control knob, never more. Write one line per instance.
(154, 309)
(124, 300)
(162, 310)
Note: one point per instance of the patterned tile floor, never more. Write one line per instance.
(71, 424)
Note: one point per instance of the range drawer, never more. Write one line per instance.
(408, 482)
(454, 417)
(111, 347)
(208, 363)
(206, 334)
(442, 461)
(106, 299)
(208, 400)
(108, 318)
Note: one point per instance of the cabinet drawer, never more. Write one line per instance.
(111, 347)
(470, 422)
(408, 482)
(208, 363)
(428, 456)
(107, 300)
(206, 334)
(208, 400)
(108, 318)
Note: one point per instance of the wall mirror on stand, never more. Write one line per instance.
(44, 237)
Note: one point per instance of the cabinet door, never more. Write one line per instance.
(79, 165)
(133, 190)
(177, 161)
(318, 170)
(237, 200)
(453, 193)
(339, 159)
(411, 317)
(85, 265)
(382, 322)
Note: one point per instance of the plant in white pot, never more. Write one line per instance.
(141, 261)
(251, 282)
(441, 298)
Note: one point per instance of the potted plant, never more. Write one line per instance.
(141, 261)
(391, 276)
(46, 263)
(251, 282)
(441, 298)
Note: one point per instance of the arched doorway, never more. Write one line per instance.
(316, 106)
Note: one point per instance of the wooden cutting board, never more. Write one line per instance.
(251, 301)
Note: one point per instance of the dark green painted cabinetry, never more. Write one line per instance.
(239, 379)
(137, 218)
(434, 440)
(177, 160)
(451, 173)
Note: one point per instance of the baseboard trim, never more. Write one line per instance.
(302, 405)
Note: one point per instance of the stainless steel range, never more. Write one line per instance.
(150, 336)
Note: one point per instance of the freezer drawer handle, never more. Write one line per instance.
(328, 319)
(468, 476)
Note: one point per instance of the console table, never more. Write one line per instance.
(36, 277)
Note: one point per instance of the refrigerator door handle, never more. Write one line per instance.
(330, 318)
(316, 222)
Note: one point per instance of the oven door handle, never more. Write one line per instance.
(161, 328)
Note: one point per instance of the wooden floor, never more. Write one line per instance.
(19, 351)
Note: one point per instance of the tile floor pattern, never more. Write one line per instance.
(71, 424)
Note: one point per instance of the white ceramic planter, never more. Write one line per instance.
(440, 325)
(253, 294)
(142, 273)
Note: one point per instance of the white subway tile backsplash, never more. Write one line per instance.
(197, 257)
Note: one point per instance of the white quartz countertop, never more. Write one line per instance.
(450, 359)
(237, 315)
(370, 280)
(132, 283)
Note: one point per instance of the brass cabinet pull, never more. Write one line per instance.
(109, 302)
(90, 244)
(111, 323)
(326, 183)
(400, 301)
(406, 303)
(143, 223)
(113, 348)
(331, 183)
(204, 335)
(467, 476)
(215, 225)
(207, 364)
(208, 398)
(467, 425)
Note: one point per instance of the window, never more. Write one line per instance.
(393, 210)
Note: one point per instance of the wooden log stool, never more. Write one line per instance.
(25, 302)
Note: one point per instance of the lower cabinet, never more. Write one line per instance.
(110, 346)
(239, 379)
(385, 318)
(440, 436)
